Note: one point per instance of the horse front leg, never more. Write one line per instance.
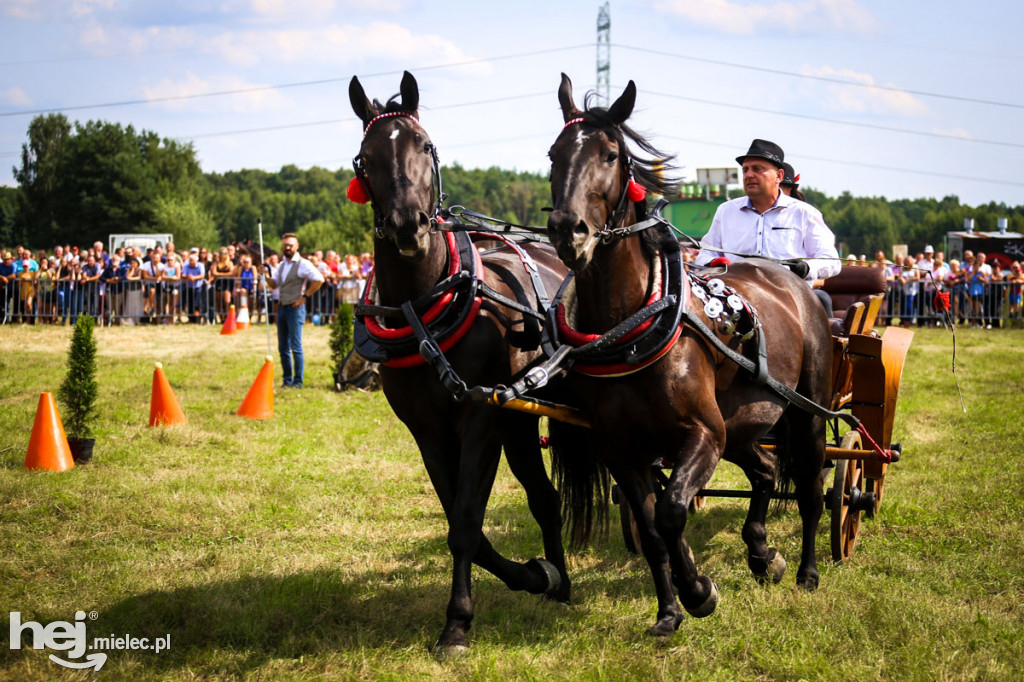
(638, 489)
(521, 438)
(695, 463)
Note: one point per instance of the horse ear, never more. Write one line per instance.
(623, 106)
(569, 110)
(360, 102)
(410, 94)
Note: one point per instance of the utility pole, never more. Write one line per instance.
(604, 53)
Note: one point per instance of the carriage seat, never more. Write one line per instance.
(857, 293)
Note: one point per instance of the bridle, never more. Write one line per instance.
(609, 233)
(435, 170)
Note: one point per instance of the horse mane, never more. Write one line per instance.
(655, 172)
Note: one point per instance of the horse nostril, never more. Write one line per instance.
(581, 229)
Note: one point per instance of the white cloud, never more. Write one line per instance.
(15, 97)
(192, 87)
(338, 45)
(874, 100)
(280, 11)
(793, 16)
(954, 132)
(81, 8)
(21, 9)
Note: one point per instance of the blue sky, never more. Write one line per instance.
(900, 99)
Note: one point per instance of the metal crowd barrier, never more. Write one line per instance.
(132, 303)
(996, 304)
(29, 301)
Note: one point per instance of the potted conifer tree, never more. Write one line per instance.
(78, 392)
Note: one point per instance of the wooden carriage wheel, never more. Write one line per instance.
(844, 500)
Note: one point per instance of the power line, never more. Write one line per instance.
(846, 162)
(827, 79)
(281, 86)
(824, 119)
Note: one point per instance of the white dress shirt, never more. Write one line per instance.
(789, 229)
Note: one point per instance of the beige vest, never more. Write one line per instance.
(291, 288)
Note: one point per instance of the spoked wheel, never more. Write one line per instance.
(847, 501)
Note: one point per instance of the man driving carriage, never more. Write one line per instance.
(767, 222)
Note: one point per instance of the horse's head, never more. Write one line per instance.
(589, 173)
(591, 169)
(396, 165)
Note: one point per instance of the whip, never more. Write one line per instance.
(266, 294)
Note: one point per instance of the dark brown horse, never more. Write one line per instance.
(460, 440)
(690, 406)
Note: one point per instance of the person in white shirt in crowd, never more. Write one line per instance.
(767, 222)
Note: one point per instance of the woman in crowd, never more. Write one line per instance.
(977, 284)
(909, 280)
(132, 292)
(172, 290)
(1015, 281)
(245, 286)
(222, 279)
(956, 281)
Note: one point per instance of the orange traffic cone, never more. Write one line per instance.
(259, 401)
(164, 408)
(243, 312)
(230, 325)
(48, 447)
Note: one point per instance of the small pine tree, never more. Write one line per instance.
(79, 390)
(341, 338)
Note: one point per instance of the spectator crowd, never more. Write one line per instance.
(160, 286)
(198, 286)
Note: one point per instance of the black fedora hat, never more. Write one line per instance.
(763, 149)
(790, 179)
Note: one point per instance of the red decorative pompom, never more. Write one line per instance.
(719, 262)
(941, 301)
(635, 191)
(357, 192)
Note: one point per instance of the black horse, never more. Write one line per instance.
(685, 403)
(460, 440)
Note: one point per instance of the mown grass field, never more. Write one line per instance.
(311, 545)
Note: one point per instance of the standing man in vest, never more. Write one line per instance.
(295, 279)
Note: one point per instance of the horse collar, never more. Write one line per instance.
(446, 312)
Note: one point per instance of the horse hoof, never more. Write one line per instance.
(808, 584)
(665, 627)
(551, 575)
(709, 605)
(773, 572)
(448, 652)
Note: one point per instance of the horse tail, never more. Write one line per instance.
(582, 481)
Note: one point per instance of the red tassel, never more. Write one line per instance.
(357, 191)
(941, 302)
(635, 191)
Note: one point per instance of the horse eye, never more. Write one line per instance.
(612, 157)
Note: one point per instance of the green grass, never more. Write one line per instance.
(312, 546)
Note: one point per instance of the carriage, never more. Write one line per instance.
(866, 371)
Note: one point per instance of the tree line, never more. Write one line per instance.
(78, 183)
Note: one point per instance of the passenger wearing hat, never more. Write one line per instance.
(789, 183)
(767, 222)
